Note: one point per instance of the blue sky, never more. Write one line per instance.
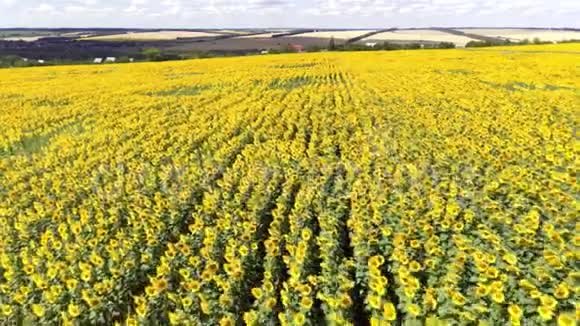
(288, 13)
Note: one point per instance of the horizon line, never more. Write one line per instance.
(295, 27)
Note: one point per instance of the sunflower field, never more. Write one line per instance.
(430, 187)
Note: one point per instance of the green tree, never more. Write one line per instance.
(152, 54)
(332, 44)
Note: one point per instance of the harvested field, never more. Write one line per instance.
(22, 38)
(422, 35)
(514, 34)
(231, 31)
(344, 35)
(154, 36)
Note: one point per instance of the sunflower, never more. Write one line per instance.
(250, 318)
(458, 299)
(6, 309)
(38, 310)
(415, 244)
(374, 301)
(482, 290)
(414, 310)
(567, 319)
(73, 310)
(160, 284)
(345, 301)
(389, 311)
(141, 310)
(257, 293)
(225, 300)
(414, 266)
(515, 312)
(269, 287)
(562, 291)
(545, 313)
(497, 296)
(187, 302)
(227, 321)
(299, 319)
(271, 303)
(548, 301)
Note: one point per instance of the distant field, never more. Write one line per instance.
(232, 31)
(555, 48)
(336, 34)
(21, 38)
(154, 36)
(422, 35)
(514, 34)
(264, 35)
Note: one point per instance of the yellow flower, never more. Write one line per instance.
(548, 301)
(306, 234)
(187, 302)
(376, 261)
(174, 318)
(244, 251)
(545, 313)
(306, 303)
(374, 301)
(250, 318)
(389, 311)
(515, 312)
(497, 296)
(185, 273)
(414, 309)
(566, 319)
(271, 303)
(482, 290)
(132, 322)
(345, 301)
(458, 298)
(141, 310)
(193, 286)
(429, 300)
(305, 290)
(227, 321)
(535, 294)
(415, 266)
(510, 259)
(434, 321)
(299, 319)
(376, 322)
(204, 305)
(527, 285)
(86, 276)
(71, 284)
(6, 309)
(160, 284)
(74, 310)
(257, 293)
(562, 291)
(38, 310)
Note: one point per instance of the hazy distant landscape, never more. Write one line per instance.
(129, 44)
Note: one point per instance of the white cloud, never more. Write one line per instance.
(289, 13)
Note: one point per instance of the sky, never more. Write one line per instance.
(289, 13)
